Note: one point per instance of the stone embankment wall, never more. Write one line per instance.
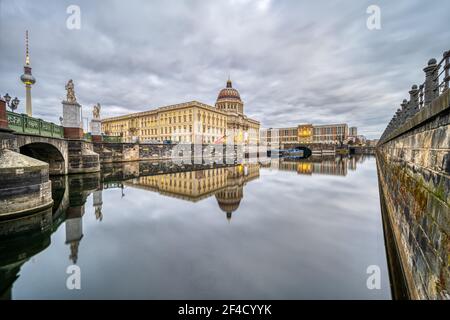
(414, 176)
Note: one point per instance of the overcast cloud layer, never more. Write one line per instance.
(292, 61)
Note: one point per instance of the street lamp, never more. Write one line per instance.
(11, 104)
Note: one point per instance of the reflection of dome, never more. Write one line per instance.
(229, 206)
(230, 199)
(229, 93)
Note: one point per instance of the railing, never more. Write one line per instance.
(87, 136)
(22, 123)
(112, 139)
(444, 84)
(421, 96)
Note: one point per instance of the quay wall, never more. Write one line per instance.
(413, 163)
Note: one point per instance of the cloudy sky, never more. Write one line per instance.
(292, 61)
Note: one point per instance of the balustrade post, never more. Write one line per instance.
(413, 106)
(3, 115)
(403, 111)
(23, 122)
(431, 90)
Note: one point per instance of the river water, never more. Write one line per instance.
(285, 229)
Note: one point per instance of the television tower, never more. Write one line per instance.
(27, 78)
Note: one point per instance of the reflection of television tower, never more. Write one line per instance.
(27, 78)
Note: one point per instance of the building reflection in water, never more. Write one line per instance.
(20, 239)
(225, 183)
(325, 165)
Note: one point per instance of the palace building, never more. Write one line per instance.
(305, 133)
(189, 122)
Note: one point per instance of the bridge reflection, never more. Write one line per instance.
(20, 239)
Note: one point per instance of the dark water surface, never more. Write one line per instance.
(283, 230)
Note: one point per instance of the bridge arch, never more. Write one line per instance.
(50, 150)
(305, 150)
(47, 153)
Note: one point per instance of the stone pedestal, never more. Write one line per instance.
(25, 186)
(96, 130)
(8, 140)
(72, 121)
(82, 159)
(3, 117)
(97, 138)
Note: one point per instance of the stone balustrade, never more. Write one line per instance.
(421, 98)
(413, 161)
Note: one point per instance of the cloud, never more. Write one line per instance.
(292, 61)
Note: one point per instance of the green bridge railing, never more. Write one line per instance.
(112, 139)
(88, 136)
(22, 123)
(105, 138)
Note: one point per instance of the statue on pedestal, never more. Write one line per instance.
(96, 111)
(70, 92)
(72, 112)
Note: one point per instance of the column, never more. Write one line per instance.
(431, 81)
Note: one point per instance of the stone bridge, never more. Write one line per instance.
(63, 156)
(413, 161)
(54, 151)
(315, 148)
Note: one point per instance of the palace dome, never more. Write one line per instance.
(229, 93)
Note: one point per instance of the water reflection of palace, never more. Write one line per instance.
(20, 239)
(226, 183)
